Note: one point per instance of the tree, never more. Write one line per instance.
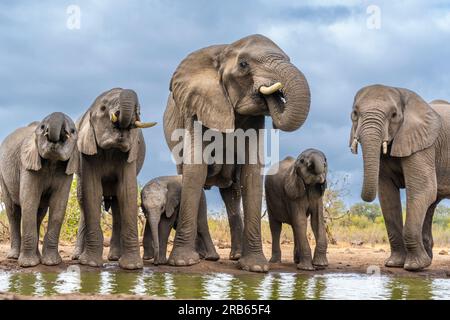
(369, 210)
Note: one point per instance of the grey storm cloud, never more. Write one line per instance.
(46, 67)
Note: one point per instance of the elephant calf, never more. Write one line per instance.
(160, 204)
(294, 191)
(37, 164)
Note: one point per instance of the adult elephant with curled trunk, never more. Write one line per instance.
(405, 145)
(230, 87)
(112, 151)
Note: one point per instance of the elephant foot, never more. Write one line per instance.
(396, 260)
(305, 264)
(182, 256)
(131, 261)
(417, 262)
(428, 248)
(212, 256)
(320, 261)
(28, 260)
(160, 260)
(114, 254)
(51, 258)
(254, 262)
(92, 260)
(147, 256)
(235, 254)
(13, 254)
(276, 258)
(76, 253)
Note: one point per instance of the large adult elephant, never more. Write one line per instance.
(405, 145)
(230, 87)
(112, 151)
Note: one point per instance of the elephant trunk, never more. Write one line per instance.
(319, 167)
(154, 225)
(371, 140)
(128, 102)
(289, 106)
(55, 127)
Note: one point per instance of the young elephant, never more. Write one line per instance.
(160, 204)
(37, 164)
(294, 191)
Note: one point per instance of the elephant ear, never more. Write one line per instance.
(136, 137)
(30, 157)
(197, 89)
(172, 200)
(293, 184)
(74, 161)
(420, 127)
(87, 143)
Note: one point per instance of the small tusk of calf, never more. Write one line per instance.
(385, 147)
(113, 117)
(354, 146)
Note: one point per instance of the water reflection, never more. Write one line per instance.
(225, 286)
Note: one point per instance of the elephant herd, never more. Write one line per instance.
(404, 140)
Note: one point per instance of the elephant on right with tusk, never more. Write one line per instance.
(405, 145)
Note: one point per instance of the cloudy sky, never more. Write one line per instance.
(46, 66)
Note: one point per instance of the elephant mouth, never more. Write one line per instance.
(276, 100)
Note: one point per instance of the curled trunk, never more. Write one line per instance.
(289, 107)
(128, 102)
(55, 127)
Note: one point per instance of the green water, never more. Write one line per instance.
(225, 286)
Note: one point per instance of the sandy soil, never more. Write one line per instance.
(350, 259)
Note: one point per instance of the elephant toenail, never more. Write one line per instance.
(257, 268)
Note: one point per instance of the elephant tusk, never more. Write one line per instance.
(67, 136)
(113, 117)
(269, 90)
(143, 125)
(385, 147)
(354, 146)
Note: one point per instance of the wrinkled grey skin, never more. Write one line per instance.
(220, 87)
(37, 164)
(160, 202)
(294, 190)
(416, 134)
(112, 155)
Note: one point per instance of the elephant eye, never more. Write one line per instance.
(354, 115)
(103, 108)
(243, 64)
(394, 114)
(302, 160)
(72, 131)
(42, 127)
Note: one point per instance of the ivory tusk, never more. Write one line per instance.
(385, 147)
(67, 135)
(143, 125)
(113, 117)
(354, 146)
(269, 90)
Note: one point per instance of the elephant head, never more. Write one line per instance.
(111, 123)
(309, 170)
(251, 76)
(54, 139)
(392, 121)
(157, 199)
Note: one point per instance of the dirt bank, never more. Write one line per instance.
(342, 259)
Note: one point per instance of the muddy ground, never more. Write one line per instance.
(342, 259)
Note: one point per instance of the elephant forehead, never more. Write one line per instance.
(155, 195)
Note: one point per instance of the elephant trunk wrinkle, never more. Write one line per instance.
(154, 225)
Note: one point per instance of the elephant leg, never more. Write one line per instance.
(58, 204)
(318, 226)
(14, 216)
(253, 258)
(427, 232)
(164, 228)
(299, 226)
(421, 192)
(91, 195)
(391, 208)
(232, 198)
(127, 201)
(147, 242)
(40, 217)
(183, 252)
(114, 247)
(29, 199)
(203, 234)
(81, 233)
(275, 230)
